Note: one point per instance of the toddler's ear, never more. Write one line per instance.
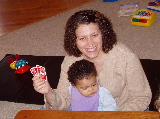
(73, 85)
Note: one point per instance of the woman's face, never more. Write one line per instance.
(89, 40)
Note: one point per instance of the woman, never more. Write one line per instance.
(89, 35)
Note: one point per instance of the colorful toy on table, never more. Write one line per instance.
(21, 66)
(39, 71)
(155, 6)
(143, 17)
(128, 9)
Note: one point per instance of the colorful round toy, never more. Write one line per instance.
(21, 66)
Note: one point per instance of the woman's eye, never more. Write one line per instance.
(82, 39)
(95, 35)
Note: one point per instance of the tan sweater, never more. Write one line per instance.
(122, 74)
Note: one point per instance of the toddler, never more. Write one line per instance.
(86, 93)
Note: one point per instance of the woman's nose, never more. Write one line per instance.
(90, 42)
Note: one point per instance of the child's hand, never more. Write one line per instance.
(40, 85)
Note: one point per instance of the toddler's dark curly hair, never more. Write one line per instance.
(80, 70)
(87, 17)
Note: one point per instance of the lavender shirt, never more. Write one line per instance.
(101, 101)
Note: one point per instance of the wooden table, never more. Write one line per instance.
(48, 114)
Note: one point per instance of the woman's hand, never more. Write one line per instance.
(40, 85)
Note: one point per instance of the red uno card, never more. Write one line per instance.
(39, 71)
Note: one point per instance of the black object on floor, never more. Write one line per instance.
(19, 87)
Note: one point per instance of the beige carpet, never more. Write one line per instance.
(46, 38)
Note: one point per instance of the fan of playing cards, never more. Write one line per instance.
(39, 71)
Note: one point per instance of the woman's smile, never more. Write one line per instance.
(91, 49)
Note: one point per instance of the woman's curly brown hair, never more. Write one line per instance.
(81, 69)
(157, 100)
(87, 17)
(157, 103)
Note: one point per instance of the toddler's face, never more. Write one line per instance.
(87, 87)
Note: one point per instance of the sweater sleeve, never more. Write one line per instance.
(61, 96)
(139, 93)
